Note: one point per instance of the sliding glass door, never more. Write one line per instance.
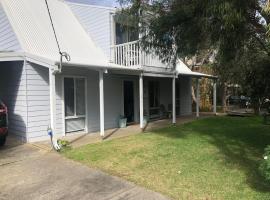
(75, 104)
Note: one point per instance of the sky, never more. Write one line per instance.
(110, 3)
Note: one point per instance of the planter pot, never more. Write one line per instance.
(145, 120)
(122, 123)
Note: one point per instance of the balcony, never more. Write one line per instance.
(131, 55)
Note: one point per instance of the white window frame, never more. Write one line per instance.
(64, 105)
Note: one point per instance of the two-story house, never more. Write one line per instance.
(75, 68)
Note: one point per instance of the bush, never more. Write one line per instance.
(64, 145)
(265, 165)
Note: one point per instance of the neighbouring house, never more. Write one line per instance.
(107, 75)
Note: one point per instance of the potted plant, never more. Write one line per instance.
(145, 118)
(122, 121)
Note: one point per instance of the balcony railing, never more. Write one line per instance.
(130, 54)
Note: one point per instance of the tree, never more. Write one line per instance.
(254, 73)
(184, 29)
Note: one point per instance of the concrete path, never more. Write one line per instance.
(28, 172)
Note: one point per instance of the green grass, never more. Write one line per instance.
(213, 158)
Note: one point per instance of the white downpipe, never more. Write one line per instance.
(173, 102)
(101, 103)
(52, 98)
(141, 100)
(198, 98)
(215, 97)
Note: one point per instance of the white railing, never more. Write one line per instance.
(130, 54)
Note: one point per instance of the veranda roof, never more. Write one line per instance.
(182, 69)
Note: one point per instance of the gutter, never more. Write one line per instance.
(195, 74)
(109, 66)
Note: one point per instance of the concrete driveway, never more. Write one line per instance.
(28, 172)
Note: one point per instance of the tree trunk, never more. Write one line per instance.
(193, 95)
(257, 106)
(224, 97)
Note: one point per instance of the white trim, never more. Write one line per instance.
(215, 97)
(93, 6)
(75, 117)
(26, 96)
(17, 56)
(197, 97)
(173, 102)
(52, 99)
(101, 102)
(63, 106)
(11, 58)
(141, 100)
(86, 105)
(163, 75)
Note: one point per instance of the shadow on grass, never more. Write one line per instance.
(240, 140)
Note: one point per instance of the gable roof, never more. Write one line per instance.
(182, 69)
(31, 24)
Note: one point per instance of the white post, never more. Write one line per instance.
(141, 100)
(52, 98)
(215, 97)
(173, 102)
(198, 97)
(101, 103)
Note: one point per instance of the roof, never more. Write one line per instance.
(182, 69)
(31, 23)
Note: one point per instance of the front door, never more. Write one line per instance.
(129, 101)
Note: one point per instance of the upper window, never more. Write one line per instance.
(125, 34)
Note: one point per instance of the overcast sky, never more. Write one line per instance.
(111, 3)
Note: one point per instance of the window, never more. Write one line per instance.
(74, 89)
(69, 97)
(74, 96)
(125, 33)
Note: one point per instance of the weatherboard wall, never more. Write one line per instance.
(97, 23)
(8, 39)
(13, 93)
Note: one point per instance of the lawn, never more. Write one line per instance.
(213, 158)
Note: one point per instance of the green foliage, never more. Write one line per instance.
(64, 144)
(183, 28)
(253, 72)
(237, 31)
(265, 165)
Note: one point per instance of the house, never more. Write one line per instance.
(73, 68)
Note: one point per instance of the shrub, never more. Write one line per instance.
(265, 165)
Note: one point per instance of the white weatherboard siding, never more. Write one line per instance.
(13, 93)
(185, 95)
(8, 39)
(38, 101)
(24, 87)
(113, 97)
(96, 22)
